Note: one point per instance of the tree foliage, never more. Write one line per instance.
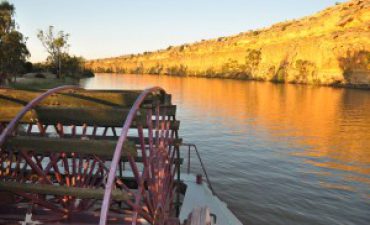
(306, 71)
(7, 22)
(252, 60)
(73, 66)
(56, 44)
(354, 60)
(13, 49)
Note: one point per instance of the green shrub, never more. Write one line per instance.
(281, 73)
(180, 70)
(252, 61)
(120, 70)
(256, 32)
(354, 60)
(306, 71)
(87, 73)
(157, 69)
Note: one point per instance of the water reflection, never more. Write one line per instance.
(291, 147)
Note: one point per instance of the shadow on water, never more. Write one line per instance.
(277, 153)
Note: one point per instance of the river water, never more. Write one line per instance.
(276, 153)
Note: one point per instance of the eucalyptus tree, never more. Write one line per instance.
(13, 49)
(56, 44)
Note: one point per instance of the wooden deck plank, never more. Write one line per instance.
(101, 148)
(94, 193)
(86, 98)
(113, 116)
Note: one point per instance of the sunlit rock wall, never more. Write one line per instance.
(330, 47)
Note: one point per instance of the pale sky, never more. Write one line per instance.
(109, 28)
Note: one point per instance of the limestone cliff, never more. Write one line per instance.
(329, 47)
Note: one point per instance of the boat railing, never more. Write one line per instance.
(193, 147)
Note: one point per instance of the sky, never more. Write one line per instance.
(100, 29)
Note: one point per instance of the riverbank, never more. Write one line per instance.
(41, 83)
(331, 47)
(334, 85)
(44, 80)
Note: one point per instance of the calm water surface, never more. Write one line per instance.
(277, 154)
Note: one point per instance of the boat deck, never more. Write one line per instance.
(199, 195)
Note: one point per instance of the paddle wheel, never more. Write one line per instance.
(75, 156)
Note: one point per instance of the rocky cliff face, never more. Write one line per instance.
(330, 47)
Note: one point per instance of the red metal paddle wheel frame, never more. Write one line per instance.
(78, 178)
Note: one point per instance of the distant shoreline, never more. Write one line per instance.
(365, 87)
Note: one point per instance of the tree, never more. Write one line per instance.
(7, 22)
(352, 61)
(252, 60)
(56, 45)
(13, 49)
(13, 53)
(73, 66)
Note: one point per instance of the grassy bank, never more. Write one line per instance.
(37, 83)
